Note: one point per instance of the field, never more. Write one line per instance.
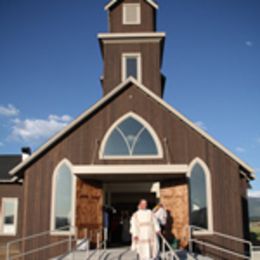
(255, 233)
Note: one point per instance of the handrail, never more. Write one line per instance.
(39, 249)
(224, 235)
(69, 240)
(103, 243)
(216, 233)
(220, 249)
(165, 244)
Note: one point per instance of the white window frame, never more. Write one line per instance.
(129, 157)
(138, 57)
(210, 229)
(15, 201)
(54, 231)
(138, 20)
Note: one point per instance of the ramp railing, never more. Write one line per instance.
(167, 251)
(193, 240)
(69, 240)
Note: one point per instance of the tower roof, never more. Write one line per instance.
(112, 2)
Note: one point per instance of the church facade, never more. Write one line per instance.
(130, 145)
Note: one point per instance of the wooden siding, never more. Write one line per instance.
(151, 76)
(184, 144)
(148, 18)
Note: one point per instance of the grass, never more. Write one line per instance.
(255, 234)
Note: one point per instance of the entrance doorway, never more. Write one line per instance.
(121, 202)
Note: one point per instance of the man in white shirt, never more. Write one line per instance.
(144, 230)
(161, 215)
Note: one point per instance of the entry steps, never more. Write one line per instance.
(123, 254)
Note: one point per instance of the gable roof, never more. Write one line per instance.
(106, 98)
(8, 162)
(112, 2)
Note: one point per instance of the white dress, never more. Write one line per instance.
(144, 226)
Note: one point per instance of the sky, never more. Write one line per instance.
(50, 66)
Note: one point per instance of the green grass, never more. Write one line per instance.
(255, 234)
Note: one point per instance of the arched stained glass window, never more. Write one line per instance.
(200, 196)
(63, 214)
(131, 138)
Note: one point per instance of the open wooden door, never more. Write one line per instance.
(89, 211)
(175, 198)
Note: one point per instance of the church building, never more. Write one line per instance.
(130, 145)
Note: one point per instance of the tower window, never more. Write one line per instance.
(131, 66)
(131, 14)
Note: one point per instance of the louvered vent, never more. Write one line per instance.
(131, 14)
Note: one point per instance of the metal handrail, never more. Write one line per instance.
(39, 249)
(226, 236)
(237, 239)
(230, 252)
(69, 240)
(103, 243)
(165, 244)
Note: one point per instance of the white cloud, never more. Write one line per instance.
(1, 144)
(258, 140)
(9, 110)
(201, 125)
(254, 194)
(249, 43)
(38, 129)
(240, 149)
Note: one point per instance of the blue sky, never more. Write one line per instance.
(50, 65)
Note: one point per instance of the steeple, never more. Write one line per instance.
(132, 47)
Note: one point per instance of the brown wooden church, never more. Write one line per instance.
(130, 145)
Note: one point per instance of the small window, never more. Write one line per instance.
(131, 14)
(9, 216)
(131, 66)
(131, 138)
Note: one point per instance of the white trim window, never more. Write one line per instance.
(201, 210)
(9, 211)
(131, 137)
(63, 199)
(132, 66)
(131, 14)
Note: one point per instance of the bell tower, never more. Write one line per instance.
(132, 47)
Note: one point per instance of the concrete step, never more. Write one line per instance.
(109, 254)
(124, 254)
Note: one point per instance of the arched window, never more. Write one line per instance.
(131, 137)
(200, 195)
(63, 198)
